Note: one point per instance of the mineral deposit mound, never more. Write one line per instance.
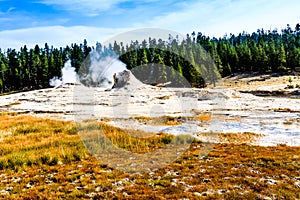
(125, 79)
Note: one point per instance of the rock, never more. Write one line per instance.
(151, 173)
(283, 176)
(206, 180)
(125, 79)
(173, 184)
(119, 183)
(221, 191)
(267, 198)
(197, 194)
(29, 185)
(296, 92)
(269, 181)
(97, 189)
(125, 194)
(182, 183)
(297, 178)
(91, 195)
(208, 192)
(126, 179)
(4, 192)
(238, 187)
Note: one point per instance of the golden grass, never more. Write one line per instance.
(172, 121)
(160, 121)
(239, 138)
(45, 159)
(37, 141)
(101, 135)
(205, 117)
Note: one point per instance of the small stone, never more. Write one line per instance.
(174, 180)
(208, 192)
(269, 181)
(125, 194)
(221, 191)
(182, 183)
(29, 185)
(173, 184)
(237, 187)
(151, 173)
(91, 195)
(133, 165)
(206, 180)
(197, 194)
(267, 198)
(283, 176)
(9, 189)
(297, 178)
(48, 181)
(176, 173)
(119, 183)
(97, 189)
(4, 192)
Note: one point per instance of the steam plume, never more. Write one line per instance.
(99, 68)
(68, 76)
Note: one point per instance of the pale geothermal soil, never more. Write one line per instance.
(246, 82)
(200, 112)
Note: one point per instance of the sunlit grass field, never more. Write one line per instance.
(46, 159)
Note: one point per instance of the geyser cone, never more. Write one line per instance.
(125, 79)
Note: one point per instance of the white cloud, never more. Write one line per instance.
(215, 18)
(90, 7)
(57, 36)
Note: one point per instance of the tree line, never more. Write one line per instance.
(30, 69)
(192, 58)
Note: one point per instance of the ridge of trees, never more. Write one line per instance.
(262, 51)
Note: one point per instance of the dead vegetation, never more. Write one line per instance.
(45, 159)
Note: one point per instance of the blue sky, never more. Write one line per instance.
(62, 22)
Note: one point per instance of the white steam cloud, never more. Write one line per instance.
(69, 76)
(96, 71)
(99, 69)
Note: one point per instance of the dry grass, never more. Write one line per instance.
(45, 159)
(205, 117)
(239, 138)
(160, 121)
(102, 136)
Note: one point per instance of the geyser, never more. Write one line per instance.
(99, 68)
(69, 76)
